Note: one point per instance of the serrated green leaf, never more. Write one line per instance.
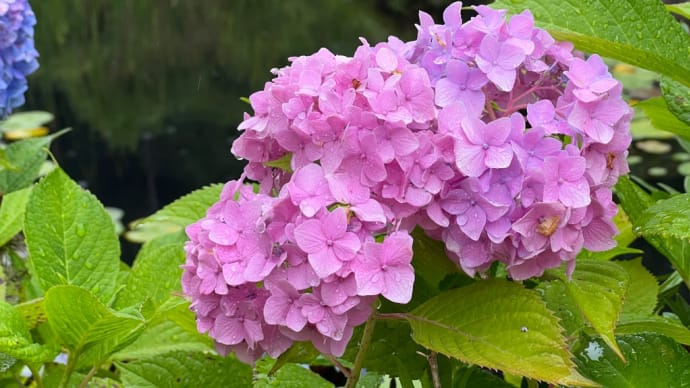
(598, 288)
(655, 324)
(640, 298)
(652, 361)
(639, 32)
(12, 210)
(288, 376)
(658, 113)
(175, 216)
(636, 203)
(26, 156)
(16, 341)
(182, 369)
(669, 217)
(162, 338)
(500, 325)
(156, 272)
(558, 300)
(70, 237)
(677, 97)
(87, 327)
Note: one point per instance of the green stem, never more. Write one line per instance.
(88, 377)
(69, 368)
(361, 354)
(36, 374)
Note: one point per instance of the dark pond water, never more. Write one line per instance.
(152, 88)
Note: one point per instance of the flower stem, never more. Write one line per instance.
(88, 377)
(36, 375)
(362, 353)
(69, 368)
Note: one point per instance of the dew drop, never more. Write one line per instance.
(524, 329)
(174, 338)
(81, 231)
(88, 265)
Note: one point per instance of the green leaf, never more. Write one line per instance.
(640, 32)
(26, 156)
(657, 111)
(288, 376)
(183, 369)
(25, 120)
(472, 376)
(175, 216)
(598, 288)
(70, 237)
(283, 163)
(156, 272)
(667, 218)
(12, 210)
(87, 327)
(652, 361)
(636, 203)
(391, 351)
(681, 9)
(16, 341)
(33, 312)
(677, 97)
(640, 298)
(559, 300)
(655, 324)
(500, 325)
(162, 338)
(299, 353)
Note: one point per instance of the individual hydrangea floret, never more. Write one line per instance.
(17, 52)
(487, 134)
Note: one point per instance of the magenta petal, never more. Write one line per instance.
(227, 330)
(572, 168)
(310, 237)
(347, 246)
(399, 282)
(324, 262)
(575, 194)
(334, 224)
(276, 310)
(499, 157)
(469, 159)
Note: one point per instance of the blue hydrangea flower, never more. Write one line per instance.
(17, 52)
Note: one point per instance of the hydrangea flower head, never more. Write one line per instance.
(17, 52)
(487, 134)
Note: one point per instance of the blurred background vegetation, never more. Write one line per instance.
(152, 87)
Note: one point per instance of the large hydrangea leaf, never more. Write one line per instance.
(652, 361)
(500, 325)
(640, 32)
(598, 288)
(184, 369)
(86, 326)
(70, 237)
